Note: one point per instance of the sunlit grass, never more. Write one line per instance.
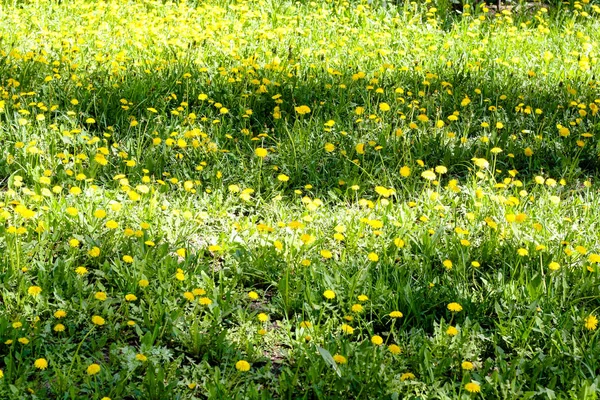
(250, 199)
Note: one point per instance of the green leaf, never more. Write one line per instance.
(329, 360)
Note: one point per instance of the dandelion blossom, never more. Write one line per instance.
(41, 363)
(329, 294)
(357, 308)
(407, 376)
(205, 301)
(326, 254)
(591, 322)
(302, 110)
(394, 349)
(455, 307)
(34, 291)
(467, 365)
(262, 317)
(242, 366)
(93, 369)
(305, 324)
(473, 387)
(377, 340)
(260, 152)
(447, 264)
(429, 175)
(338, 358)
(384, 107)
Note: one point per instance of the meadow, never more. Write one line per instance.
(232, 199)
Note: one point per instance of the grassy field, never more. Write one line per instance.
(234, 199)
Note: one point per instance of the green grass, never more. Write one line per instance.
(202, 175)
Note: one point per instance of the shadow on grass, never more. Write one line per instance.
(298, 140)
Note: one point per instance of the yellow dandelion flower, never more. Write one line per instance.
(340, 359)
(305, 324)
(262, 317)
(473, 387)
(41, 363)
(205, 301)
(94, 252)
(112, 224)
(373, 257)
(377, 340)
(447, 264)
(302, 110)
(260, 152)
(455, 307)
(242, 366)
(384, 107)
(326, 254)
(100, 296)
(81, 271)
(93, 369)
(429, 175)
(407, 376)
(34, 291)
(394, 349)
(357, 308)
(591, 322)
(180, 276)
